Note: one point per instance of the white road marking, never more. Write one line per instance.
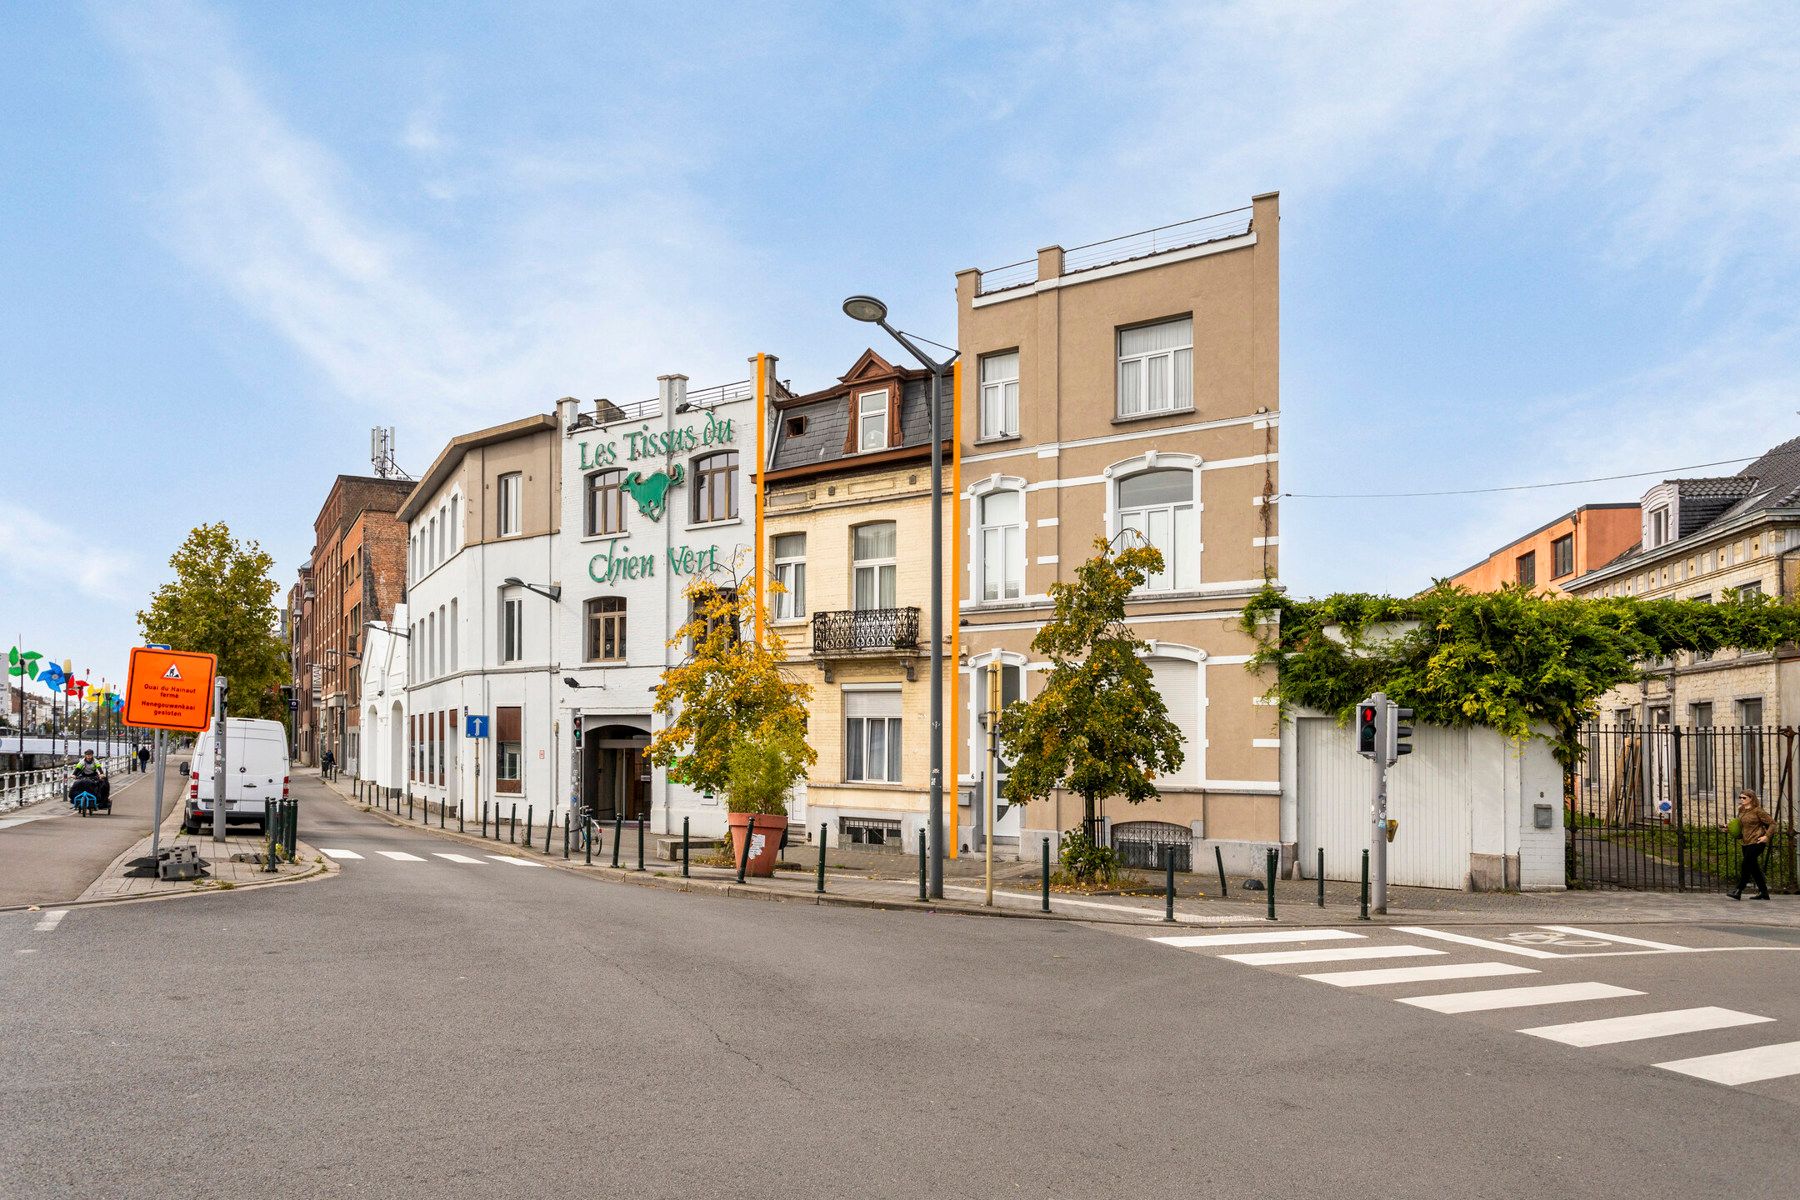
(1645, 1025)
(330, 853)
(1463, 939)
(1382, 975)
(1190, 941)
(1135, 910)
(460, 858)
(1611, 937)
(1742, 1066)
(1519, 997)
(399, 856)
(50, 920)
(1284, 958)
(517, 862)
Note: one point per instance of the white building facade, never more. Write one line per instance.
(481, 626)
(383, 758)
(654, 496)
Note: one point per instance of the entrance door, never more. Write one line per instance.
(616, 776)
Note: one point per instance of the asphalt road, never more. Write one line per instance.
(423, 1026)
(48, 852)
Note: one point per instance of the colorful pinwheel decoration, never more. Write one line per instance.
(77, 688)
(117, 702)
(53, 676)
(23, 663)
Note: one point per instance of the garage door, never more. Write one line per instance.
(1428, 793)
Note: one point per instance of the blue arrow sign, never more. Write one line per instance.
(474, 726)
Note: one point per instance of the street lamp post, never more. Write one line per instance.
(873, 311)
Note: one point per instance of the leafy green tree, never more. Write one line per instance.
(1099, 728)
(222, 602)
(730, 688)
(1524, 663)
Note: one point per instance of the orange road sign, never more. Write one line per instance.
(170, 689)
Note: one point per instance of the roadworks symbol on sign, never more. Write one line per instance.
(174, 672)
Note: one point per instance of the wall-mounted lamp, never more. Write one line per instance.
(552, 591)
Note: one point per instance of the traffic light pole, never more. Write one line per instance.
(1378, 807)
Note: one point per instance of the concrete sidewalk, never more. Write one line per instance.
(239, 863)
(879, 880)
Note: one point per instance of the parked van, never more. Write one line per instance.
(256, 773)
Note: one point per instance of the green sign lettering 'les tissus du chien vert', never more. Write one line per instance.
(616, 562)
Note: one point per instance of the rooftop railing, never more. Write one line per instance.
(612, 411)
(1125, 248)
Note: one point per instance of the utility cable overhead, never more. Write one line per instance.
(1516, 487)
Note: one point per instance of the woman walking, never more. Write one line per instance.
(1754, 827)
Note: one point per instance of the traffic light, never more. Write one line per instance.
(1368, 723)
(575, 726)
(1399, 730)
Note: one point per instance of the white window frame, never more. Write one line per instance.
(1147, 366)
(512, 629)
(790, 572)
(1169, 580)
(862, 732)
(1659, 526)
(998, 413)
(1011, 540)
(863, 414)
(509, 496)
(889, 564)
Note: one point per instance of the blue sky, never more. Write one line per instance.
(1521, 241)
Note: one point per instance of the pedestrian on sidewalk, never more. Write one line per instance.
(1754, 827)
(328, 764)
(143, 757)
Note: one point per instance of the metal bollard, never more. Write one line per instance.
(1365, 886)
(743, 855)
(1168, 886)
(642, 821)
(1224, 888)
(528, 825)
(512, 825)
(441, 814)
(684, 847)
(1271, 885)
(565, 837)
(548, 822)
(922, 893)
(269, 819)
(1321, 877)
(459, 817)
(821, 888)
(618, 834)
(1046, 848)
(587, 840)
(484, 805)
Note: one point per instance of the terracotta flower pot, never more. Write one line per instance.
(764, 833)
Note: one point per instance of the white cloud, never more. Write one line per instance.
(38, 552)
(394, 326)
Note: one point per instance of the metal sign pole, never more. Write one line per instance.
(156, 814)
(1378, 809)
(219, 761)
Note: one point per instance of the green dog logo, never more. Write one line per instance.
(652, 494)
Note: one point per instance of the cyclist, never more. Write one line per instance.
(88, 769)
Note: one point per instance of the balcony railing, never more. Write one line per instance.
(865, 631)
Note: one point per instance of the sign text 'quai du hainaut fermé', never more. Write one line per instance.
(616, 562)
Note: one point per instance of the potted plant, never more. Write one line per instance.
(762, 773)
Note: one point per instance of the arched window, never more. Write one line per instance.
(1002, 561)
(605, 503)
(1159, 505)
(715, 487)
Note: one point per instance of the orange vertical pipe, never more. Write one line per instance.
(762, 433)
(956, 542)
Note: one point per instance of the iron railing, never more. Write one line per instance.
(1148, 845)
(699, 398)
(865, 631)
(1648, 807)
(1124, 248)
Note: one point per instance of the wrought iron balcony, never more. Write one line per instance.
(865, 631)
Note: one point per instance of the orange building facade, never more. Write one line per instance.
(1552, 556)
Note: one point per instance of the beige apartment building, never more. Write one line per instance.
(847, 533)
(1131, 388)
(1706, 539)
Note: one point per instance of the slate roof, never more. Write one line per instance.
(1771, 482)
(827, 417)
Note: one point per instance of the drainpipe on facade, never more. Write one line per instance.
(672, 394)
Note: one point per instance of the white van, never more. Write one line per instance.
(256, 773)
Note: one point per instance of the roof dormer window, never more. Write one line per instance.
(872, 421)
(1659, 526)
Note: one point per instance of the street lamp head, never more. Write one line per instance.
(571, 681)
(513, 581)
(865, 308)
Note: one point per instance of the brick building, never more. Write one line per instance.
(358, 573)
(1558, 552)
(301, 613)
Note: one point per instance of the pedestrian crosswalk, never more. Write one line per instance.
(340, 854)
(1467, 957)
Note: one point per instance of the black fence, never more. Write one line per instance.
(866, 629)
(1649, 808)
(1149, 845)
